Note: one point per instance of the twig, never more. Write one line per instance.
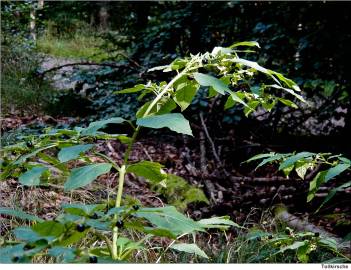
(214, 151)
(203, 165)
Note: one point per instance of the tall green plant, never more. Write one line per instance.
(221, 71)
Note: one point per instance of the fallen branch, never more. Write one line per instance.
(80, 64)
(282, 214)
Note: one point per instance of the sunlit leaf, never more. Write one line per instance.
(190, 248)
(83, 176)
(32, 176)
(173, 121)
(73, 152)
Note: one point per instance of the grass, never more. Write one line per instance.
(77, 46)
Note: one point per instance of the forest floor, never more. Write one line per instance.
(233, 189)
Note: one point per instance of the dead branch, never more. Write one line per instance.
(42, 74)
(213, 147)
(203, 165)
(282, 214)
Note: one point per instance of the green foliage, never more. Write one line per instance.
(149, 170)
(32, 177)
(83, 176)
(174, 121)
(73, 152)
(21, 89)
(190, 248)
(179, 192)
(300, 246)
(82, 43)
(77, 222)
(302, 162)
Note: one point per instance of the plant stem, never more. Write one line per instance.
(122, 169)
(122, 173)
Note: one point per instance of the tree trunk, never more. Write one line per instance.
(32, 16)
(103, 17)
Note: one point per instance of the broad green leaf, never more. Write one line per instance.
(178, 64)
(302, 253)
(317, 181)
(268, 105)
(19, 214)
(93, 127)
(294, 246)
(190, 248)
(251, 64)
(54, 161)
(212, 92)
(290, 83)
(261, 156)
(328, 242)
(32, 176)
(99, 225)
(334, 171)
(116, 210)
(288, 103)
(27, 234)
(173, 121)
(73, 152)
(194, 194)
(229, 103)
(63, 254)
(271, 159)
(127, 244)
(332, 193)
(288, 170)
(169, 218)
(82, 209)
(207, 80)
(235, 97)
(345, 160)
(185, 92)
(135, 89)
(32, 154)
(246, 43)
(301, 168)
(251, 107)
(83, 176)
(290, 91)
(291, 160)
(7, 253)
(49, 228)
(149, 170)
(218, 222)
(72, 238)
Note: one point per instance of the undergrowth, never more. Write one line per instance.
(82, 43)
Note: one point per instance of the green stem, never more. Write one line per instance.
(122, 169)
(164, 91)
(122, 173)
